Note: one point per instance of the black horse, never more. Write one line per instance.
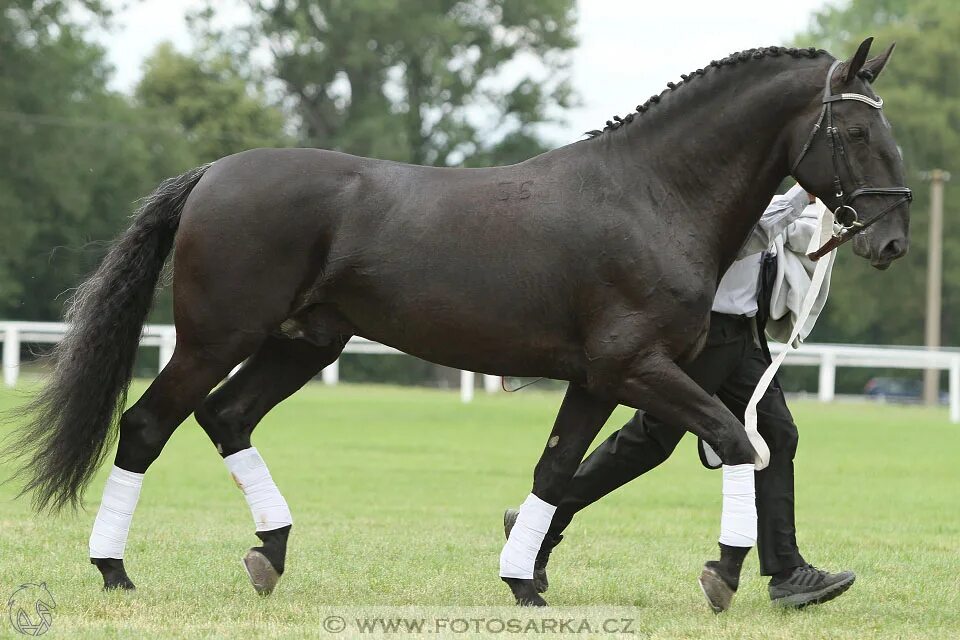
(594, 263)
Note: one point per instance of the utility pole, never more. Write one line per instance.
(931, 377)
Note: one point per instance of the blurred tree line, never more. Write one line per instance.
(433, 82)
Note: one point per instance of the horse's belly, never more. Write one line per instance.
(505, 345)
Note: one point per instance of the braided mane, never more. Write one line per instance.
(730, 60)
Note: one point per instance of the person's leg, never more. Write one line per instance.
(776, 528)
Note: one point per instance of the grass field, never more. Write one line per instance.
(397, 496)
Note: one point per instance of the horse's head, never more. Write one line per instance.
(847, 157)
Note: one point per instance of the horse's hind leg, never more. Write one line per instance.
(581, 417)
(229, 415)
(144, 430)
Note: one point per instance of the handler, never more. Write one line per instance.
(730, 366)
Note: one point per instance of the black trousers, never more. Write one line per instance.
(729, 366)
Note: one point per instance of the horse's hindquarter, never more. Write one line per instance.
(252, 238)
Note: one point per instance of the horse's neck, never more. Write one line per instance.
(721, 149)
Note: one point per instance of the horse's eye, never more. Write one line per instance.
(858, 134)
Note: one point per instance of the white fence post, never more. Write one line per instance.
(331, 373)
(168, 342)
(491, 384)
(828, 377)
(955, 390)
(11, 355)
(467, 379)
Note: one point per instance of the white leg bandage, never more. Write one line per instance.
(267, 505)
(520, 552)
(738, 524)
(110, 530)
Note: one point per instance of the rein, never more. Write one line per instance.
(845, 214)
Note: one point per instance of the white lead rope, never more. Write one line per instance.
(819, 273)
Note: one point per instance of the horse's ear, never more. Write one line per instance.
(875, 65)
(852, 67)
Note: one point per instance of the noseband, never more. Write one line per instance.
(845, 214)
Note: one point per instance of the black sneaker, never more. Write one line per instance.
(540, 581)
(808, 585)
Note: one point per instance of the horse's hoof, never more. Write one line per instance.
(525, 592)
(718, 593)
(114, 574)
(262, 574)
(123, 584)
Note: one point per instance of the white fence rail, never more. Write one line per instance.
(825, 356)
(164, 337)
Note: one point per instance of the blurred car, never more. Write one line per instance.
(905, 390)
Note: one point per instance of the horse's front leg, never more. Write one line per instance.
(655, 383)
(581, 417)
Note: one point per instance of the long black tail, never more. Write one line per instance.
(67, 429)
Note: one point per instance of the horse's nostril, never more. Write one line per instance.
(893, 249)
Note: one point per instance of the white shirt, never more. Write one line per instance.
(795, 273)
(737, 292)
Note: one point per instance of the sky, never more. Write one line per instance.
(629, 49)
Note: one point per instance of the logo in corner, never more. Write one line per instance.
(30, 609)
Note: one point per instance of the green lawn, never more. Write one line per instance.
(398, 494)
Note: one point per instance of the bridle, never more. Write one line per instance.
(845, 214)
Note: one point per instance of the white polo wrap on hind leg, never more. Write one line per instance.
(520, 552)
(249, 471)
(120, 496)
(738, 524)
